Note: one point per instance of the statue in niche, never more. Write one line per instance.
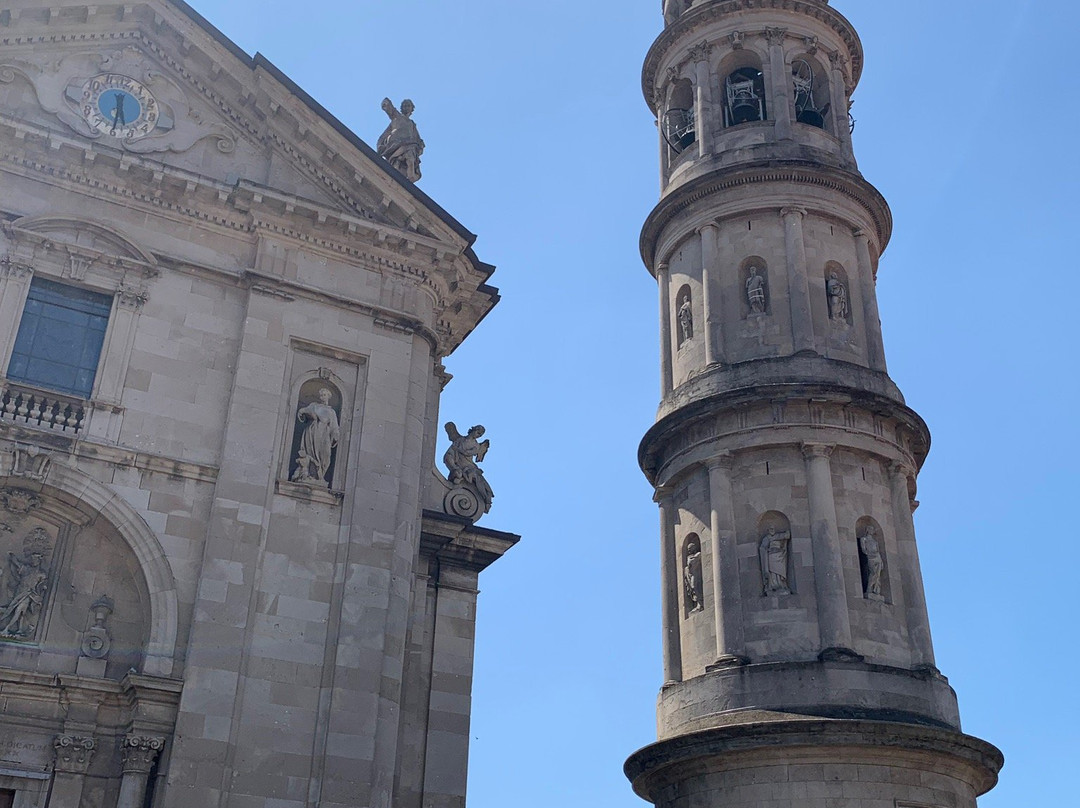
(465, 452)
(321, 435)
(692, 583)
(401, 145)
(774, 551)
(755, 292)
(875, 564)
(27, 585)
(686, 321)
(838, 298)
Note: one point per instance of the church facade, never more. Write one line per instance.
(232, 572)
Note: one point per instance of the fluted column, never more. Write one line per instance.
(802, 316)
(667, 377)
(671, 576)
(727, 600)
(918, 620)
(780, 84)
(714, 337)
(140, 753)
(875, 344)
(834, 621)
(703, 103)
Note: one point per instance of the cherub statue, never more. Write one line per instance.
(462, 457)
(401, 145)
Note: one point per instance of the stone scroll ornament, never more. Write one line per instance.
(26, 584)
(471, 496)
(401, 145)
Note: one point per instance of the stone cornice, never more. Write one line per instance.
(687, 28)
(687, 195)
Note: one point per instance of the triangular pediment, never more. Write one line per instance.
(155, 82)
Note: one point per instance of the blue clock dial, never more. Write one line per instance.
(119, 107)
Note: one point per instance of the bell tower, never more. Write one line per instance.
(798, 663)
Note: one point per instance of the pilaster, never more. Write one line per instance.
(802, 313)
(727, 601)
(669, 574)
(918, 619)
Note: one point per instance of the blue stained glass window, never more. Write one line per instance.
(60, 338)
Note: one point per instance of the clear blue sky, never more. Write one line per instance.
(538, 140)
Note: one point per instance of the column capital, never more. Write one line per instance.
(792, 210)
(662, 268)
(860, 233)
(140, 752)
(664, 496)
(812, 450)
(724, 461)
(707, 226)
(73, 753)
(700, 52)
(901, 470)
(14, 269)
(775, 36)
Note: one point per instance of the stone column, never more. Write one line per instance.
(140, 753)
(15, 280)
(667, 374)
(713, 301)
(918, 620)
(74, 753)
(703, 102)
(839, 98)
(875, 345)
(670, 576)
(727, 599)
(802, 313)
(834, 621)
(780, 84)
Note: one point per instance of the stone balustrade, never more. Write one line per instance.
(22, 404)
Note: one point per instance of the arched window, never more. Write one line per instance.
(678, 124)
(811, 87)
(744, 96)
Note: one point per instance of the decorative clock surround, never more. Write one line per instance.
(119, 97)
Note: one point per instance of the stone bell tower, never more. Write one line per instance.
(798, 663)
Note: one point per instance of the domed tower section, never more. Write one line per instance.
(798, 659)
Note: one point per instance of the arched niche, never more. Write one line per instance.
(678, 124)
(693, 583)
(754, 278)
(316, 439)
(873, 560)
(684, 315)
(742, 88)
(775, 554)
(100, 546)
(811, 92)
(838, 294)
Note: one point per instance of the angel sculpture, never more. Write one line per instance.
(401, 144)
(462, 457)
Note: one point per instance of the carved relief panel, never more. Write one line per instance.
(28, 552)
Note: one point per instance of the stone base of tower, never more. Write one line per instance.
(778, 761)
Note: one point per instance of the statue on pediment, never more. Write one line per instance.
(401, 144)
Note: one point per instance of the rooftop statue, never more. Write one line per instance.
(401, 144)
(465, 452)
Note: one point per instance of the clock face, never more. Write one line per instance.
(118, 106)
